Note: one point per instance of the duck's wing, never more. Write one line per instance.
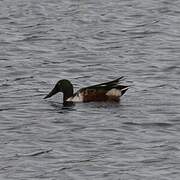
(100, 91)
(105, 85)
(110, 88)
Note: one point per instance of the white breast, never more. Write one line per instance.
(114, 92)
(77, 98)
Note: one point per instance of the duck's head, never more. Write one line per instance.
(63, 86)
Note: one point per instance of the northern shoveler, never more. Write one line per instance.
(108, 91)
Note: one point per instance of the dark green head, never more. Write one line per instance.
(63, 86)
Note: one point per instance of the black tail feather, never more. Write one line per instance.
(123, 88)
(123, 91)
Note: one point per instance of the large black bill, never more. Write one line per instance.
(53, 92)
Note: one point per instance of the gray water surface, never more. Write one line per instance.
(90, 42)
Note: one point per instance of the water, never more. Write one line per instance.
(90, 42)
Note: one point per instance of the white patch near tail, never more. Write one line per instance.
(77, 98)
(114, 92)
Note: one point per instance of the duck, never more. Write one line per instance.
(107, 91)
